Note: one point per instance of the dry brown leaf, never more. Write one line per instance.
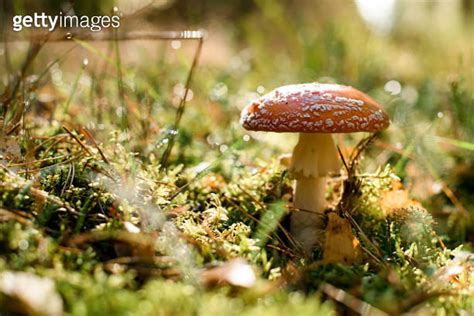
(341, 246)
(396, 198)
(30, 294)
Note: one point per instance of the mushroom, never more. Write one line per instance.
(315, 111)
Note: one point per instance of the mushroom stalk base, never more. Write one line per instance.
(313, 158)
(307, 224)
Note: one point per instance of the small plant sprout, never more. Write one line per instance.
(315, 111)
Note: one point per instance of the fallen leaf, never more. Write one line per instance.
(236, 272)
(341, 246)
(30, 294)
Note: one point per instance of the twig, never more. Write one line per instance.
(354, 222)
(55, 164)
(33, 50)
(70, 175)
(351, 301)
(108, 36)
(182, 104)
(77, 140)
(157, 260)
(343, 160)
(39, 194)
(88, 135)
(361, 146)
(120, 87)
(83, 239)
(285, 251)
(6, 214)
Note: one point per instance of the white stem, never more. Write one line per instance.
(313, 158)
(315, 155)
(306, 224)
(310, 194)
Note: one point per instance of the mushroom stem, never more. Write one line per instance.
(313, 158)
(315, 155)
(306, 225)
(310, 194)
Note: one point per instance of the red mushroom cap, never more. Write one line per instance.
(315, 108)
